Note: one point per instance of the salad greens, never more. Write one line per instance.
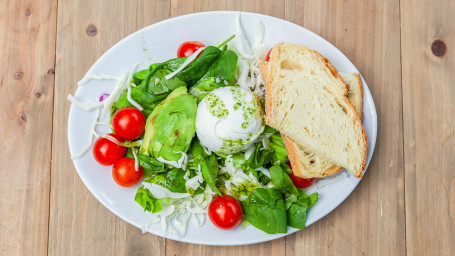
(206, 164)
(220, 74)
(179, 170)
(266, 210)
(297, 207)
(273, 209)
(149, 164)
(145, 199)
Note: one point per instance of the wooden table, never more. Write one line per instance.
(405, 204)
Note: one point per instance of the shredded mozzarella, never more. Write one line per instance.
(73, 157)
(128, 86)
(249, 151)
(115, 94)
(264, 171)
(181, 163)
(194, 182)
(130, 99)
(160, 192)
(174, 217)
(121, 84)
(136, 160)
(86, 106)
(186, 63)
(247, 74)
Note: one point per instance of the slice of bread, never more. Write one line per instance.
(306, 164)
(305, 100)
(355, 94)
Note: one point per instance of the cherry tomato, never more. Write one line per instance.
(107, 152)
(188, 48)
(225, 212)
(128, 123)
(124, 173)
(301, 182)
(267, 58)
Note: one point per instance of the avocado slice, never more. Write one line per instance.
(171, 126)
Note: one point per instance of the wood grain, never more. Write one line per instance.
(79, 225)
(429, 124)
(370, 221)
(27, 53)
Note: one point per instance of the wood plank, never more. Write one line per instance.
(27, 30)
(273, 8)
(79, 225)
(429, 125)
(371, 221)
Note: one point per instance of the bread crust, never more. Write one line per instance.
(359, 79)
(334, 72)
(295, 162)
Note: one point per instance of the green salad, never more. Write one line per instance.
(195, 132)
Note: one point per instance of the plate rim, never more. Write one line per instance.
(262, 239)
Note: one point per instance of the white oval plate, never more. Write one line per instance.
(159, 42)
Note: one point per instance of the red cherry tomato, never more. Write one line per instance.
(267, 58)
(301, 182)
(107, 152)
(124, 173)
(128, 123)
(225, 212)
(188, 48)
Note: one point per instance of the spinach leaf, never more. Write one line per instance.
(297, 207)
(259, 158)
(265, 209)
(139, 76)
(282, 181)
(148, 163)
(220, 74)
(263, 178)
(175, 181)
(141, 93)
(269, 129)
(279, 151)
(159, 84)
(194, 71)
(209, 170)
(208, 164)
(172, 180)
(286, 168)
(145, 199)
(145, 92)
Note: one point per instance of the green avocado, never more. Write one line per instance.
(171, 126)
